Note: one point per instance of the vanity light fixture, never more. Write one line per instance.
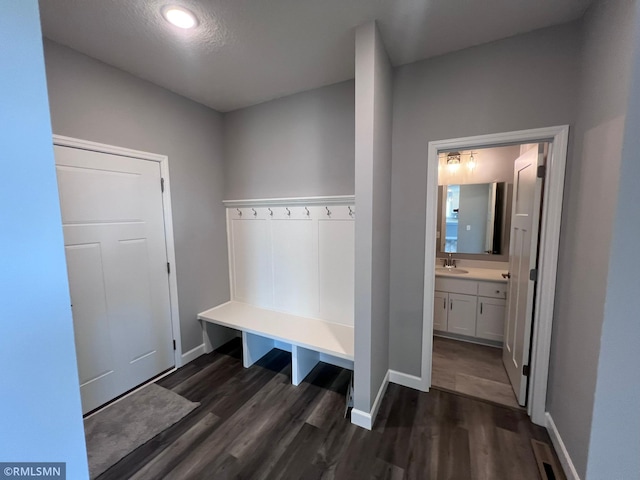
(471, 163)
(179, 16)
(453, 161)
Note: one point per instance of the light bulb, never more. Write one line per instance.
(179, 16)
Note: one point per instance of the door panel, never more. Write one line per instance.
(462, 314)
(113, 225)
(490, 324)
(440, 301)
(525, 219)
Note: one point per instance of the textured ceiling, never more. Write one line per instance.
(248, 51)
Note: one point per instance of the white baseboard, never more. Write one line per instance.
(366, 419)
(561, 450)
(406, 380)
(193, 354)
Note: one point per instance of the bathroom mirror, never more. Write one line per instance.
(473, 218)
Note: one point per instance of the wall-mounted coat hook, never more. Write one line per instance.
(307, 211)
(288, 211)
(328, 211)
(255, 214)
(270, 212)
(350, 212)
(239, 212)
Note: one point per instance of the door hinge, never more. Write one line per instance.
(162, 185)
(542, 171)
(533, 274)
(525, 370)
(174, 345)
(168, 268)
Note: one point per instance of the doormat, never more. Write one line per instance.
(120, 428)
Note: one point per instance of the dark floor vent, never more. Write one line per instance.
(547, 461)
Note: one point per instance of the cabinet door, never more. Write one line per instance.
(462, 314)
(490, 324)
(440, 301)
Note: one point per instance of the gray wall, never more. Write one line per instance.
(590, 202)
(373, 203)
(615, 432)
(300, 145)
(40, 410)
(93, 101)
(521, 82)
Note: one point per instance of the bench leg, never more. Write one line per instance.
(254, 347)
(302, 362)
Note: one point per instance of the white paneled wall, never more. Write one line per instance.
(296, 259)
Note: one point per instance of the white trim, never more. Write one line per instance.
(192, 354)
(405, 380)
(104, 148)
(308, 201)
(367, 419)
(561, 450)
(163, 160)
(547, 258)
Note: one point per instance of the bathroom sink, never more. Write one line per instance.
(452, 271)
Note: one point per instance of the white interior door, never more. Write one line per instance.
(113, 223)
(523, 249)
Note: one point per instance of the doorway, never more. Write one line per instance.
(118, 251)
(550, 217)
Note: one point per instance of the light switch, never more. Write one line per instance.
(468, 227)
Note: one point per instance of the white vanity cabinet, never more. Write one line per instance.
(472, 308)
(440, 308)
(462, 314)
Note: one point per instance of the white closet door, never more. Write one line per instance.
(113, 226)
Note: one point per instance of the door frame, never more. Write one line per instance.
(163, 161)
(549, 233)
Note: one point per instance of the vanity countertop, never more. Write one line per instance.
(488, 274)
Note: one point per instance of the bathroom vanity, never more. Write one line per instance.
(470, 304)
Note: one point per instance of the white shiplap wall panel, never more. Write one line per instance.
(251, 261)
(295, 266)
(296, 259)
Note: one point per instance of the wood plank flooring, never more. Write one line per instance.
(471, 369)
(253, 424)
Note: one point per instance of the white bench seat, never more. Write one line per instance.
(311, 340)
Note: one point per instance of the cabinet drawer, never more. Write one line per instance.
(453, 285)
(493, 290)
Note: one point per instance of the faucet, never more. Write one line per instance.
(449, 262)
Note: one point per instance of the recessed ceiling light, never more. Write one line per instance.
(179, 16)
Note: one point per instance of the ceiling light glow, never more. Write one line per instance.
(179, 16)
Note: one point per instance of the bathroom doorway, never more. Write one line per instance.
(468, 293)
(474, 254)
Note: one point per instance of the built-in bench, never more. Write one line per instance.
(310, 340)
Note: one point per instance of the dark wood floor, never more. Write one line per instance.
(253, 424)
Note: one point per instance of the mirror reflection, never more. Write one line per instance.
(473, 218)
